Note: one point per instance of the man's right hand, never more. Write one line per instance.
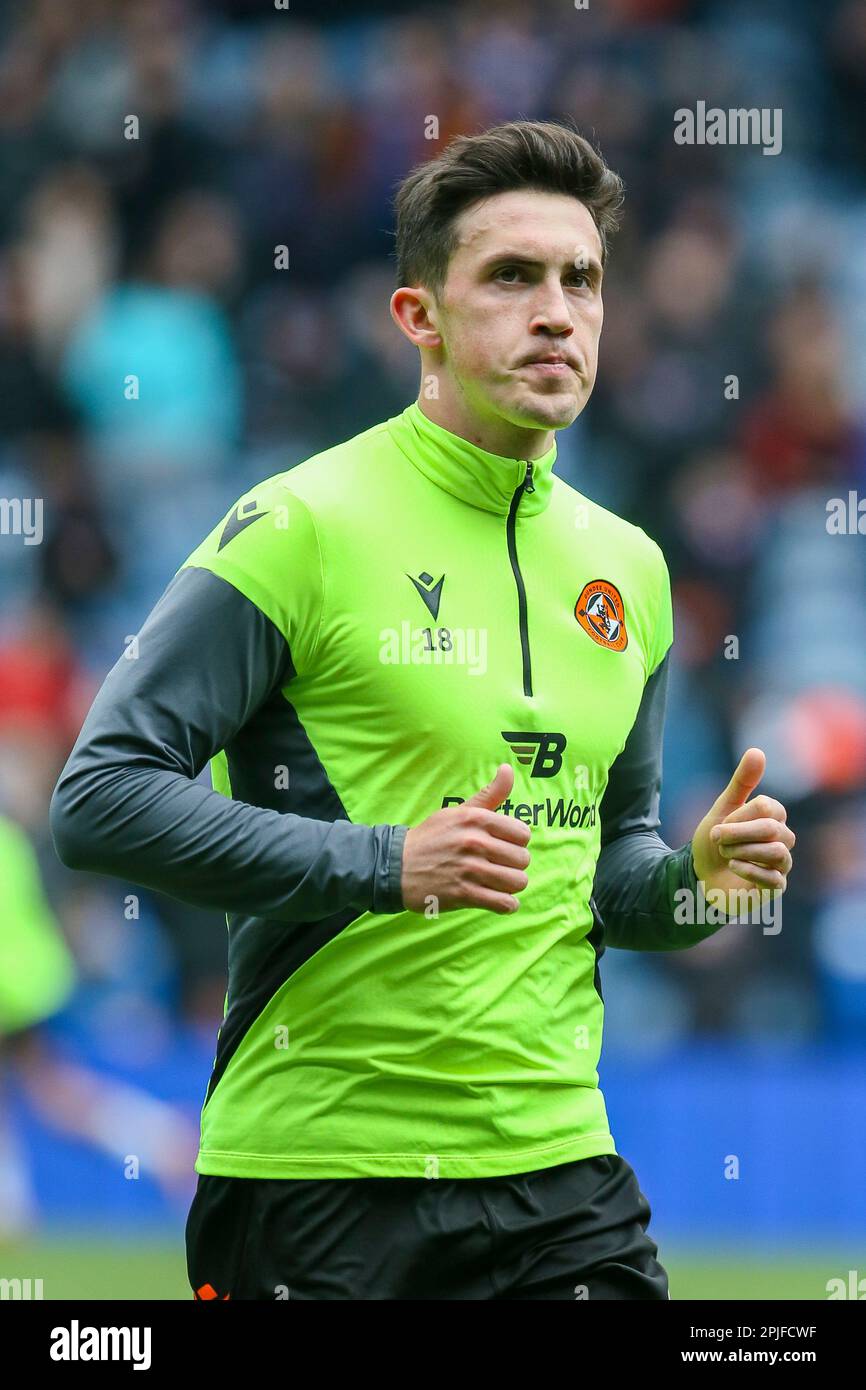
(468, 855)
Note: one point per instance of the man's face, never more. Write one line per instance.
(524, 282)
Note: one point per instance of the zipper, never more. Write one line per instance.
(526, 486)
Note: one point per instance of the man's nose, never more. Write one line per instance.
(552, 311)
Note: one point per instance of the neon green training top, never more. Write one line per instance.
(360, 642)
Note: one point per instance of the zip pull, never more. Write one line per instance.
(528, 484)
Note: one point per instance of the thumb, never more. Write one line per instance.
(748, 774)
(496, 791)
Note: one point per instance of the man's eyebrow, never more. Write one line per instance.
(577, 262)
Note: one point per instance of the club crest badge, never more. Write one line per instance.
(601, 613)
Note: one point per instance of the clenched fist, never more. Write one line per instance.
(468, 855)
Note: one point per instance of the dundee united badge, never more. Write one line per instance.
(601, 614)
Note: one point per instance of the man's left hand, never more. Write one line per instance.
(742, 844)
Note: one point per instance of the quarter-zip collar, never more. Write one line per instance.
(467, 471)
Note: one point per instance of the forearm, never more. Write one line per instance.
(158, 829)
(638, 889)
(639, 880)
(128, 803)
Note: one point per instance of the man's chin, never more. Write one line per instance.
(549, 413)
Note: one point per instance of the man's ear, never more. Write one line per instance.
(416, 314)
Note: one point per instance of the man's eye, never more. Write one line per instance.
(581, 275)
(507, 270)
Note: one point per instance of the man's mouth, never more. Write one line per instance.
(550, 366)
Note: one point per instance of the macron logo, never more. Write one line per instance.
(240, 519)
(430, 592)
(77, 1343)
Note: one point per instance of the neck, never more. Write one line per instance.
(492, 433)
(467, 470)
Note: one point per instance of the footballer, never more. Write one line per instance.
(421, 860)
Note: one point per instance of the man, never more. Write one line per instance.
(404, 1101)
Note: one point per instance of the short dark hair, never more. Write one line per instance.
(544, 155)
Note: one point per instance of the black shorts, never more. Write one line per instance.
(575, 1231)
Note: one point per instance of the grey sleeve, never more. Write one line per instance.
(127, 803)
(637, 874)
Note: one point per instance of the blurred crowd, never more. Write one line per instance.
(155, 363)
